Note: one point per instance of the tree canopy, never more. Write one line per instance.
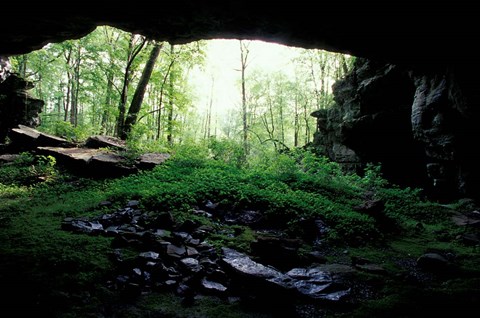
(121, 84)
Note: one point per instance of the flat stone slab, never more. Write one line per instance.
(53, 141)
(24, 134)
(8, 158)
(31, 138)
(99, 141)
(317, 283)
(463, 220)
(72, 154)
(150, 160)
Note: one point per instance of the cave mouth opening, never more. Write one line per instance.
(81, 82)
(84, 82)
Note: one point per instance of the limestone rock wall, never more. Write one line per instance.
(16, 105)
(418, 125)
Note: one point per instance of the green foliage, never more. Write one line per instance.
(28, 169)
(372, 179)
(288, 188)
(286, 191)
(226, 150)
(44, 167)
(68, 131)
(169, 305)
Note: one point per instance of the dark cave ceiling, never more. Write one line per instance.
(414, 32)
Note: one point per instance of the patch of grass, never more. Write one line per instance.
(51, 267)
(237, 237)
(169, 305)
(409, 301)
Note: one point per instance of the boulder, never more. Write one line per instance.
(24, 137)
(105, 142)
(151, 160)
(17, 106)
(314, 283)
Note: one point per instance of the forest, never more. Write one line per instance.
(119, 84)
(242, 219)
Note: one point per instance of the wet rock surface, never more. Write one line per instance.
(177, 257)
(154, 253)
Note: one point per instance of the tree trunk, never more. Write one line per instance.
(108, 100)
(162, 93)
(132, 53)
(243, 59)
(66, 101)
(270, 128)
(170, 101)
(307, 125)
(22, 67)
(209, 113)
(75, 88)
(137, 99)
(296, 126)
(282, 126)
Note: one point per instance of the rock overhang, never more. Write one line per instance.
(411, 32)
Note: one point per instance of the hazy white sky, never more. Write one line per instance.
(223, 65)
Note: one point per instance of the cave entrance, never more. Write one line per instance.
(249, 93)
(254, 93)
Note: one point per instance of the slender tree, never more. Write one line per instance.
(75, 85)
(171, 91)
(137, 99)
(244, 51)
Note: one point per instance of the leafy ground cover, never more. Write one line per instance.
(44, 269)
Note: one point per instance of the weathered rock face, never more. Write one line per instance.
(5, 68)
(371, 123)
(445, 120)
(419, 125)
(396, 31)
(16, 105)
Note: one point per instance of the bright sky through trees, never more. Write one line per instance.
(223, 65)
(194, 91)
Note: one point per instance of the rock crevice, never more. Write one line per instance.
(419, 126)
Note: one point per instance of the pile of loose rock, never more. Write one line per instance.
(179, 258)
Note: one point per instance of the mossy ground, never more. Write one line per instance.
(44, 270)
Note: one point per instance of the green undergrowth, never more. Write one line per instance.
(64, 274)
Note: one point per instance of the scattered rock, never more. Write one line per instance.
(314, 282)
(149, 255)
(464, 220)
(470, 239)
(176, 251)
(25, 136)
(372, 268)
(179, 261)
(6, 158)
(133, 204)
(432, 262)
(214, 287)
(279, 252)
(244, 217)
(316, 257)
